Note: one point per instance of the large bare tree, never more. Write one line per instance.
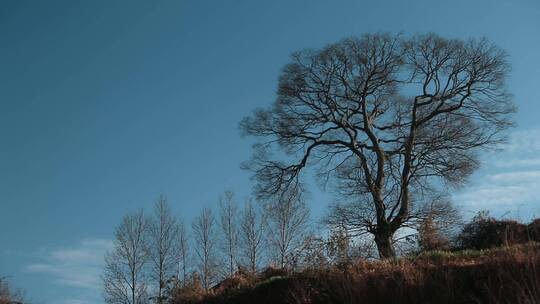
(205, 241)
(386, 117)
(123, 278)
(162, 234)
(228, 220)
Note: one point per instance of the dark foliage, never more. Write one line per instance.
(487, 232)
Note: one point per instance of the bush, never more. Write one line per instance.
(487, 232)
(191, 292)
(430, 237)
(534, 230)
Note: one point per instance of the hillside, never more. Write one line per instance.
(498, 275)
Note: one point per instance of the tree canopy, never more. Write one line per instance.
(385, 118)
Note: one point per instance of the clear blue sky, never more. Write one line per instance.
(106, 104)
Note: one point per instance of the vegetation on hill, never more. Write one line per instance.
(499, 275)
(495, 274)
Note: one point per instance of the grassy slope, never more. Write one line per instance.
(502, 275)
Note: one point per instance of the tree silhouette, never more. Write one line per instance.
(385, 117)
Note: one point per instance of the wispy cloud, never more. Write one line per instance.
(77, 266)
(75, 301)
(509, 180)
(518, 163)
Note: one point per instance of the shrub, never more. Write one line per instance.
(487, 232)
(430, 238)
(533, 230)
(191, 292)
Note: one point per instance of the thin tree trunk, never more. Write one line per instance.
(133, 287)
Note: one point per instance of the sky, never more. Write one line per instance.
(105, 105)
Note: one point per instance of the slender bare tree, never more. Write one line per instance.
(162, 237)
(252, 225)
(228, 218)
(182, 253)
(124, 279)
(205, 241)
(386, 117)
(287, 227)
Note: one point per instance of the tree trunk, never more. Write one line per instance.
(385, 245)
(133, 286)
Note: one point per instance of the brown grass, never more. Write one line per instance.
(495, 276)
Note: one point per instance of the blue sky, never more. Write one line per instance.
(104, 105)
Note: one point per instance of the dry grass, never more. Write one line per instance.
(494, 276)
